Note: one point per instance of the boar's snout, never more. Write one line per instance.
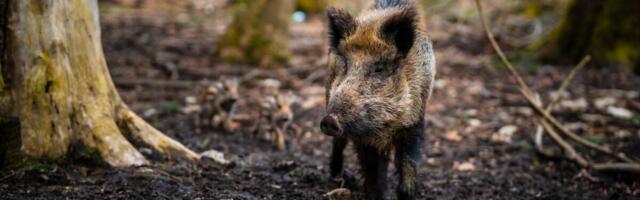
(330, 126)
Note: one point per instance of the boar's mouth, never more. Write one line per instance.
(332, 126)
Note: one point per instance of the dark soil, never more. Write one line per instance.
(473, 100)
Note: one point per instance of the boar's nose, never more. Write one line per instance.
(330, 126)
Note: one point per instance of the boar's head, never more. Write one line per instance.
(380, 72)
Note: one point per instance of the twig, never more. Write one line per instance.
(8, 176)
(539, 129)
(621, 167)
(569, 151)
(526, 92)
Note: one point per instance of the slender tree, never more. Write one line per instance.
(55, 84)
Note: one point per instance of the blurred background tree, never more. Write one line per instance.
(258, 33)
(312, 6)
(606, 29)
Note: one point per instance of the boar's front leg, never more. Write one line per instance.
(337, 155)
(406, 159)
(374, 164)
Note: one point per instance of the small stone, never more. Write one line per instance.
(505, 134)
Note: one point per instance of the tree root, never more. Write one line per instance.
(550, 123)
(140, 130)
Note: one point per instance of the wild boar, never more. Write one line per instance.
(380, 74)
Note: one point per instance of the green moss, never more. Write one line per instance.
(36, 7)
(87, 155)
(10, 154)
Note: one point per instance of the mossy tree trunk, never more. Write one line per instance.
(258, 33)
(55, 78)
(312, 6)
(606, 29)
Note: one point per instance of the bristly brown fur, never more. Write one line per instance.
(381, 70)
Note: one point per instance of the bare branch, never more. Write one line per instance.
(569, 151)
(539, 130)
(548, 121)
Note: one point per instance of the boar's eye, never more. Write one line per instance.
(379, 69)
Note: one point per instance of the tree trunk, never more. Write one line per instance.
(60, 90)
(312, 6)
(259, 33)
(606, 29)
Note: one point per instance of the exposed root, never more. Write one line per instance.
(98, 130)
(141, 130)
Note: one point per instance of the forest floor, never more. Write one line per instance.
(479, 135)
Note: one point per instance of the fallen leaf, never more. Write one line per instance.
(453, 136)
(149, 112)
(505, 134)
(474, 122)
(575, 105)
(190, 100)
(465, 166)
(191, 109)
(618, 112)
(215, 156)
(604, 102)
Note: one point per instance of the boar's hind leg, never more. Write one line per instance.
(406, 158)
(337, 156)
(373, 164)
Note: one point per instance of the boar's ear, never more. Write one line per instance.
(341, 25)
(399, 30)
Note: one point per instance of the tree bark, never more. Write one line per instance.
(259, 33)
(60, 89)
(606, 29)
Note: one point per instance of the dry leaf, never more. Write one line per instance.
(465, 166)
(453, 136)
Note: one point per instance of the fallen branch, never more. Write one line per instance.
(620, 167)
(539, 129)
(546, 118)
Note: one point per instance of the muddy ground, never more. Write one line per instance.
(159, 60)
